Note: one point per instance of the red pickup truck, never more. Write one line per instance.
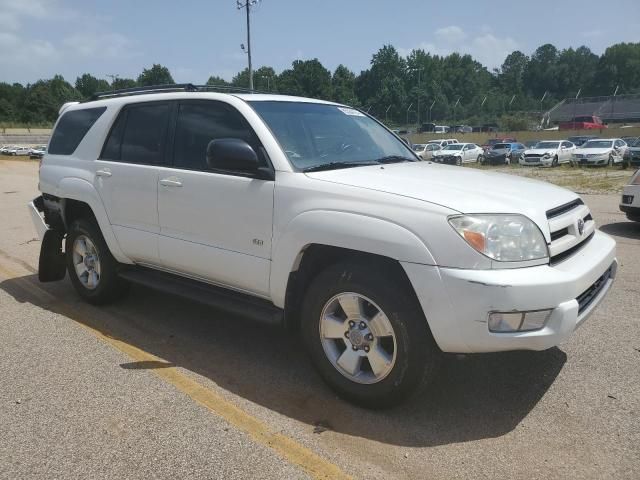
(584, 122)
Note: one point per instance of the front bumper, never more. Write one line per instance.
(457, 302)
(447, 160)
(603, 160)
(535, 161)
(630, 203)
(495, 160)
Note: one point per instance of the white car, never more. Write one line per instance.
(630, 202)
(5, 149)
(425, 150)
(600, 151)
(311, 215)
(441, 129)
(548, 153)
(458, 153)
(443, 141)
(38, 151)
(18, 151)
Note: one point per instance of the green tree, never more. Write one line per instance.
(156, 75)
(619, 66)
(217, 81)
(306, 77)
(87, 85)
(511, 74)
(122, 83)
(343, 86)
(541, 73)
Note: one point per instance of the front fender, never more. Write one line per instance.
(344, 230)
(74, 188)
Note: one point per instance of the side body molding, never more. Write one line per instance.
(75, 188)
(345, 230)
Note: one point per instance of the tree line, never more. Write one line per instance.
(394, 88)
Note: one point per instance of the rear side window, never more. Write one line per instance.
(139, 135)
(72, 128)
(199, 123)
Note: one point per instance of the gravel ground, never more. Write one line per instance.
(73, 406)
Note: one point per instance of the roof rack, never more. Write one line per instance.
(176, 87)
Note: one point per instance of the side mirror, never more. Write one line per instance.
(232, 154)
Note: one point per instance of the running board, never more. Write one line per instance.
(230, 301)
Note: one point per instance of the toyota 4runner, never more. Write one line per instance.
(314, 216)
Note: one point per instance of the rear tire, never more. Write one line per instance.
(554, 162)
(610, 160)
(351, 365)
(92, 268)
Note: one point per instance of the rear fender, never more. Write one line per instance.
(81, 190)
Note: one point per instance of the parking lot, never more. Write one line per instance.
(159, 387)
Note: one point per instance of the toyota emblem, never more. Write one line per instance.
(580, 226)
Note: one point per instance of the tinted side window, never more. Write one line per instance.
(72, 128)
(111, 150)
(144, 134)
(199, 123)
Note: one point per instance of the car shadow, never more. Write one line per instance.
(473, 396)
(627, 229)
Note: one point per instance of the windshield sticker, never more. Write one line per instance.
(351, 111)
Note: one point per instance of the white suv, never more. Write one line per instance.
(313, 215)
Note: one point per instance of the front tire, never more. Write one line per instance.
(92, 268)
(366, 335)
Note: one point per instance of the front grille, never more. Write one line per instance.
(627, 199)
(571, 227)
(555, 259)
(531, 159)
(586, 297)
(559, 234)
(567, 207)
(533, 155)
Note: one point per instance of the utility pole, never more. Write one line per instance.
(613, 102)
(247, 4)
(410, 105)
(431, 108)
(386, 115)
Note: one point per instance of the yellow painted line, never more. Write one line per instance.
(287, 448)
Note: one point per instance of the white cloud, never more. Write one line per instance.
(484, 46)
(109, 45)
(450, 34)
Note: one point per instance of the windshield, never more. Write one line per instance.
(419, 147)
(315, 134)
(454, 146)
(499, 146)
(598, 144)
(547, 144)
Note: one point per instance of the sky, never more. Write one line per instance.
(199, 38)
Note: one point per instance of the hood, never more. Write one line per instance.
(465, 190)
(540, 151)
(498, 151)
(592, 151)
(447, 152)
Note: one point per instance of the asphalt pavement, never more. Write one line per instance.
(158, 387)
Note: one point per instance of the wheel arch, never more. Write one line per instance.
(315, 240)
(78, 198)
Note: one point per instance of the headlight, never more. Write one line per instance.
(546, 155)
(505, 238)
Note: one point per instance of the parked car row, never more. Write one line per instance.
(21, 150)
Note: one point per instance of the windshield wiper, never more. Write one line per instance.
(394, 159)
(337, 165)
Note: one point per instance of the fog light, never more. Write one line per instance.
(502, 322)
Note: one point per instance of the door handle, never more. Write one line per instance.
(105, 172)
(171, 182)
